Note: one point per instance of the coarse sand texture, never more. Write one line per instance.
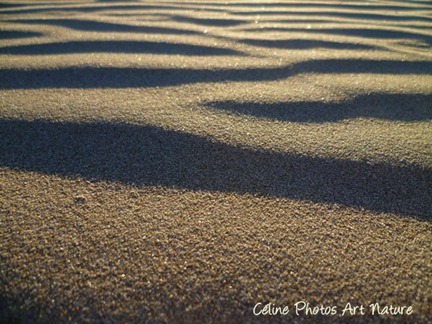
(215, 161)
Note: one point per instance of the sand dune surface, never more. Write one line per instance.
(215, 161)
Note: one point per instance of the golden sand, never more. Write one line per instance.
(183, 161)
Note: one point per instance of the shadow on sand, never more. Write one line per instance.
(99, 26)
(13, 34)
(307, 44)
(413, 107)
(318, 5)
(116, 77)
(208, 22)
(141, 47)
(148, 155)
(370, 33)
(93, 9)
(336, 14)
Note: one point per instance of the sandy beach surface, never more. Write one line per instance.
(215, 161)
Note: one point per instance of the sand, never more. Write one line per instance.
(194, 161)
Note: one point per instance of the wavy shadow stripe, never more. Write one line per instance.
(13, 34)
(312, 5)
(372, 33)
(208, 22)
(11, 5)
(413, 107)
(113, 77)
(116, 47)
(306, 44)
(98, 26)
(115, 1)
(95, 9)
(348, 15)
(148, 155)
(298, 21)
